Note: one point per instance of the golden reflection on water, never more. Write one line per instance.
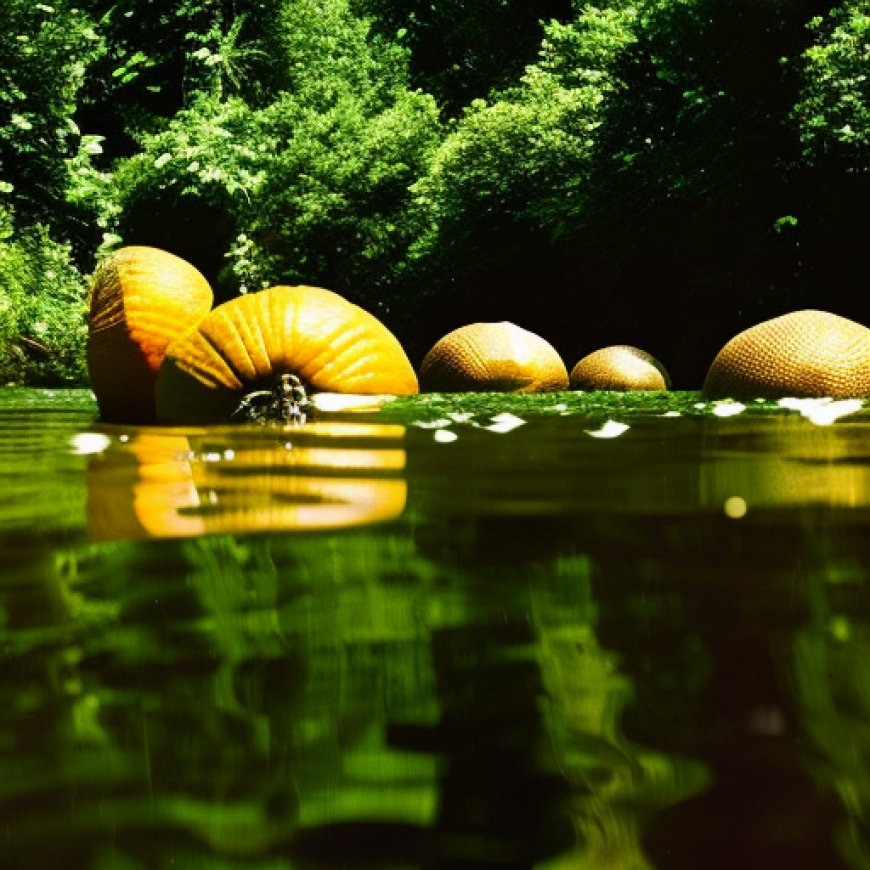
(161, 484)
(787, 463)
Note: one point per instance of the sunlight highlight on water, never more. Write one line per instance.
(87, 443)
(610, 429)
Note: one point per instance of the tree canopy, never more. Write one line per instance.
(656, 172)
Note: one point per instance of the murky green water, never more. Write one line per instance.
(428, 638)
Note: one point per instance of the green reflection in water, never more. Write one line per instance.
(560, 651)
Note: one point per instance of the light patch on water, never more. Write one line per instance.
(735, 507)
(728, 409)
(792, 403)
(827, 414)
(560, 407)
(839, 628)
(229, 454)
(700, 405)
(824, 411)
(348, 401)
(444, 436)
(505, 422)
(671, 414)
(611, 429)
(87, 443)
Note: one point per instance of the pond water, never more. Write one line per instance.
(555, 632)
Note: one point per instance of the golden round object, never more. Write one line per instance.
(498, 357)
(141, 299)
(805, 353)
(330, 344)
(619, 367)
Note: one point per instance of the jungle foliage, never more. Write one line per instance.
(656, 172)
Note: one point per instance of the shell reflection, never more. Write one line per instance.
(323, 476)
(790, 462)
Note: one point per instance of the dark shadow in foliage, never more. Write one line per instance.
(462, 50)
(185, 225)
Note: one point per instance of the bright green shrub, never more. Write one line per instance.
(833, 111)
(43, 324)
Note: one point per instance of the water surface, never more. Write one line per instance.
(557, 632)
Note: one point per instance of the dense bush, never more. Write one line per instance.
(461, 50)
(312, 187)
(834, 106)
(44, 54)
(439, 163)
(42, 309)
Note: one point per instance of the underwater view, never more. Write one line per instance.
(546, 631)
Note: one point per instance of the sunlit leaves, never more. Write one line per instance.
(43, 56)
(526, 155)
(833, 112)
(42, 310)
(315, 182)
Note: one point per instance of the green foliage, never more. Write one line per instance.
(42, 309)
(211, 151)
(44, 53)
(335, 204)
(463, 49)
(329, 53)
(164, 56)
(525, 157)
(270, 141)
(312, 187)
(833, 111)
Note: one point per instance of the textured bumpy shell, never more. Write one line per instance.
(141, 299)
(619, 367)
(329, 343)
(805, 353)
(498, 357)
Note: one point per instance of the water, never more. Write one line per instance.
(435, 637)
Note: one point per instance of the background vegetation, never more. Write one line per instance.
(656, 172)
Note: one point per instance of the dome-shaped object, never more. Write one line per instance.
(498, 357)
(330, 344)
(619, 367)
(141, 299)
(806, 353)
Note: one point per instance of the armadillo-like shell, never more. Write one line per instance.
(499, 357)
(141, 299)
(805, 353)
(619, 367)
(330, 344)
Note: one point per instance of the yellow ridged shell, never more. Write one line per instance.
(619, 367)
(499, 357)
(805, 353)
(141, 299)
(330, 344)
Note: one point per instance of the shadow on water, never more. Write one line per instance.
(510, 649)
